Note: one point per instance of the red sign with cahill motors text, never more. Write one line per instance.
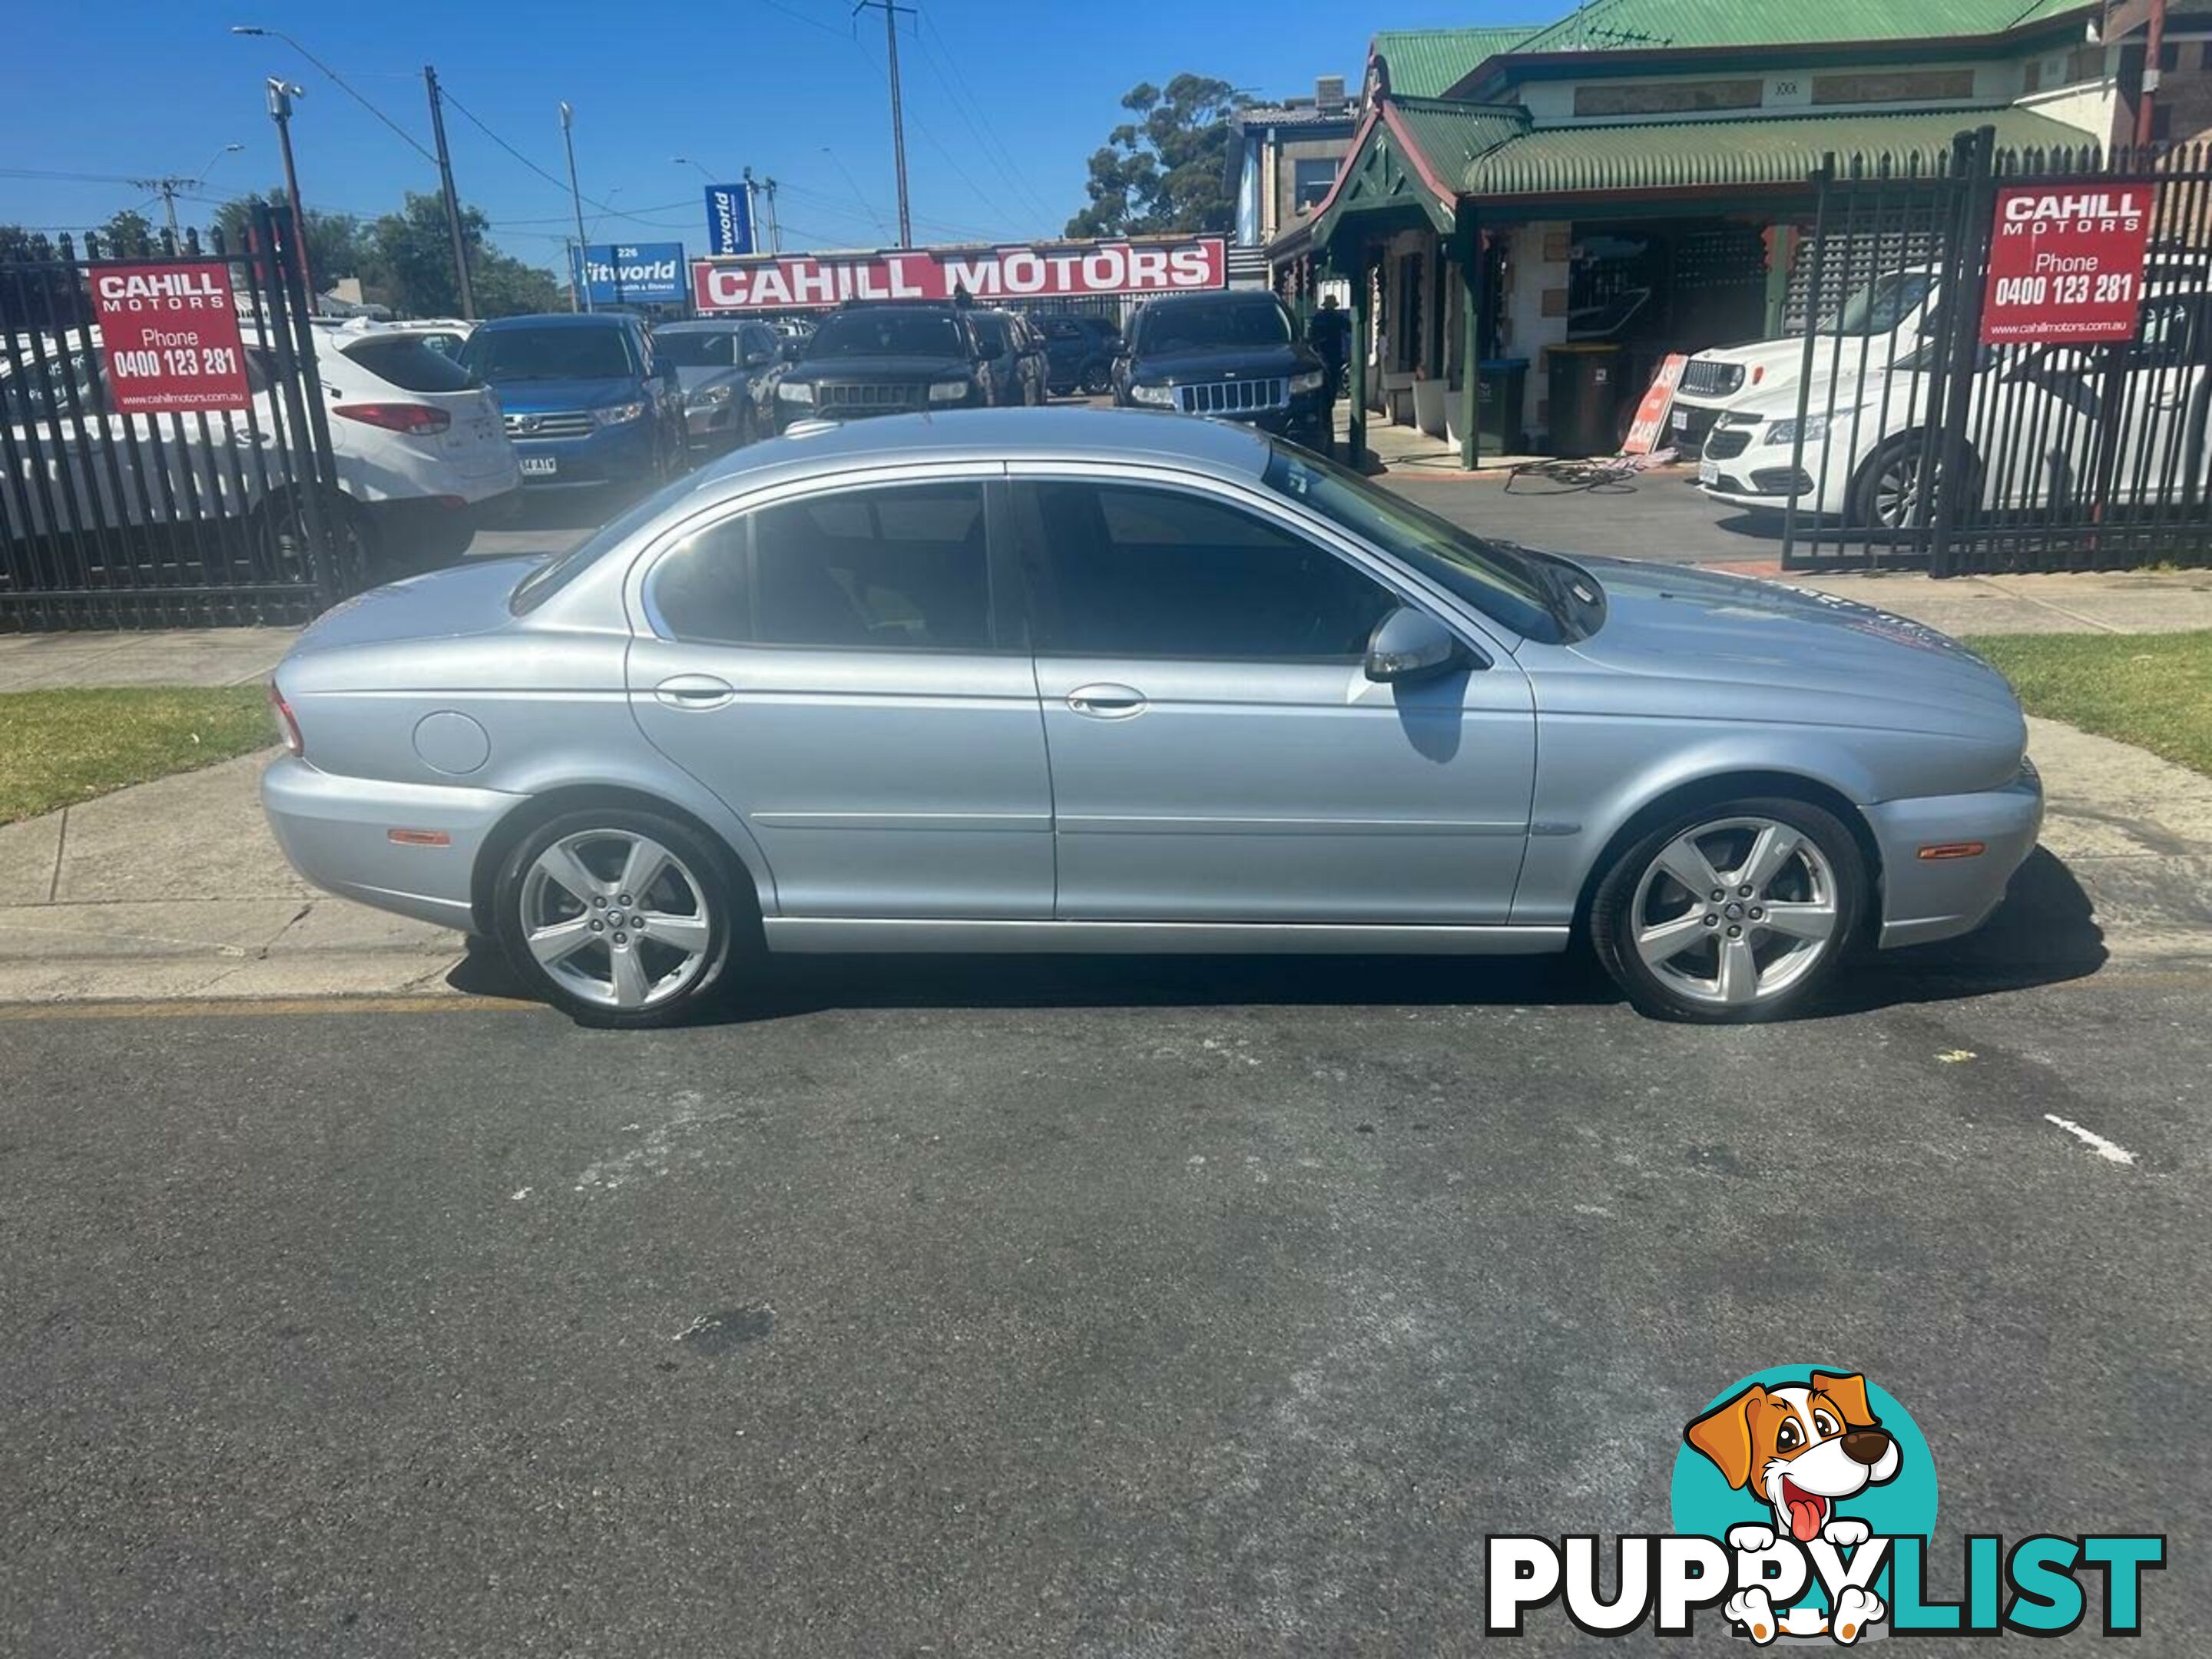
(170, 336)
(1047, 271)
(2066, 263)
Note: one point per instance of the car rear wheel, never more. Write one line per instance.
(1731, 913)
(621, 917)
(1097, 377)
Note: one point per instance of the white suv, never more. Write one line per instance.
(422, 452)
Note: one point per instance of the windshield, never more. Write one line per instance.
(702, 348)
(1507, 584)
(887, 334)
(1881, 304)
(1197, 327)
(552, 353)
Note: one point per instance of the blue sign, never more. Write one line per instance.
(729, 219)
(633, 273)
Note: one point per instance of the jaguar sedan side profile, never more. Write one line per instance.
(1088, 681)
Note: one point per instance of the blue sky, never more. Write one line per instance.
(1004, 103)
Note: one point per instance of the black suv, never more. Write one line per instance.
(1237, 355)
(884, 360)
(1080, 350)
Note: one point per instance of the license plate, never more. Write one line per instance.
(540, 466)
(1679, 419)
(1708, 472)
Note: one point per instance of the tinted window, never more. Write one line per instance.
(887, 333)
(410, 362)
(695, 347)
(990, 335)
(1193, 326)
(1155, 573)
(1882, 304)
(701, 588)
(881, 569)
(553, 353)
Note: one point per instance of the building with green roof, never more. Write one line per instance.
(1640, 172)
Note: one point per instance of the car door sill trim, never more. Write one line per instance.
(1078, 823)
(861, 933)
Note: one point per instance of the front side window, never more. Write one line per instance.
(899, 568)
(990, 335)
(1124, 571)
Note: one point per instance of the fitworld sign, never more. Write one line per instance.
(987, 276)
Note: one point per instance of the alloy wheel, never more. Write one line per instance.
(1734, 912)
(1900, 495)
(616, 919)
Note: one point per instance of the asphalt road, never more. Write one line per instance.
(1108, 1308)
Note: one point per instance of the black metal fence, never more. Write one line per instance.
(116, 519)
(1917, 444)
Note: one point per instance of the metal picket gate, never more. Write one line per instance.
(175, 520)
(1917, 445)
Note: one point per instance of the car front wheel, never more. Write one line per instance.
(1731, 913)
(621, 917)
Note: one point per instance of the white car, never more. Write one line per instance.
(2037, 421)
(1877, 324)
(422, 452)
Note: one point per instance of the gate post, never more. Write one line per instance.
(292, 343)
(1963, 282)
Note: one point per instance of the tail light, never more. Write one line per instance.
(416, 420)
(287, 725)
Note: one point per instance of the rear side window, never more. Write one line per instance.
(409, 363)
(891, 568)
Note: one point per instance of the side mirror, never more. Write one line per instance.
(665, 368)
(758, 359)
(1409, 645)
(790, 349)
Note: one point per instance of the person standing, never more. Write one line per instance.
(1331, 333)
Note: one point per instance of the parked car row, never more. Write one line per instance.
(421, 459)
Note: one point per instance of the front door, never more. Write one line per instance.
(830, 666)
(1218, 754)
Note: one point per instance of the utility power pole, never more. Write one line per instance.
(453, 198)
(890, 10)
(775, 235)
(281, 94)
(2153, 49)
(579, 292)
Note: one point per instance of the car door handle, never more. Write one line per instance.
(694, 692)
(1106, 701)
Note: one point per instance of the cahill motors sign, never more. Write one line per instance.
(989, 275)
(169, 334)
(2066, 263)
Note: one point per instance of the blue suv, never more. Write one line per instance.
(585, 400)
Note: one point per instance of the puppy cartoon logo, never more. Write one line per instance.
(1802, 1447)
(1803, 1505)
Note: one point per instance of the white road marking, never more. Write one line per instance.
(2111, 1152)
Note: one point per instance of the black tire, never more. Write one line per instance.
(1863, 510)
(1614, 924)
(724, 893)
(1097, 377)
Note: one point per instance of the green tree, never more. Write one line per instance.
(408, 264)
(1167, 170)
(128, 233)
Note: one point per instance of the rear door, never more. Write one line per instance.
(833, 665)
(1218, 752)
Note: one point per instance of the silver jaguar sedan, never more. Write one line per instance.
(1070, 681)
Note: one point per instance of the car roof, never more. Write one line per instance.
(1088, 435)
(1211, 296)
(703, 325)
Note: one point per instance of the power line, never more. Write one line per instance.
(561, 185)
(986, 135)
